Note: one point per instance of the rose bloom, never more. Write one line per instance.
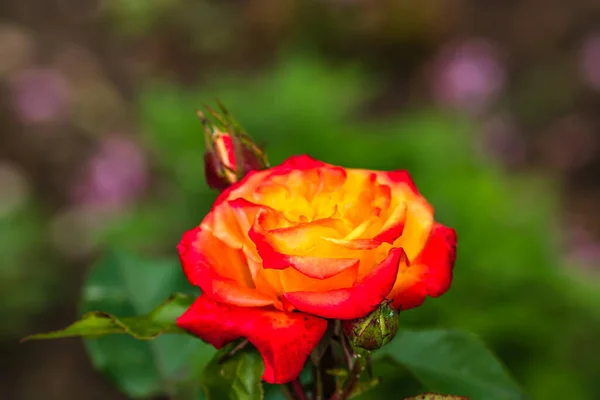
(287, 248)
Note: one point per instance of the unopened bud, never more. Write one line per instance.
(374, 330)
(230, 152)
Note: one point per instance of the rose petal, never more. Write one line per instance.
(307, 192)
(200, 272)
(353, 302)
(242, 187)
(302, 162)
(356, 244)
(284, 340)
(400, 176)
(225, 149)
(439, 255)
(417, 228)
(311, 266)
(394, 226)
(431, 272)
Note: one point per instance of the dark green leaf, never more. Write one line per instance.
(123, 284)
(97, 323)
(452, 362)
(364, 386)
(237, 378)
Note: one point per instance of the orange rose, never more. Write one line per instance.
(287, 248)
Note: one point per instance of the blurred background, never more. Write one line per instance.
(492, 106)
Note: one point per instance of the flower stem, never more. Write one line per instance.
(297, 389)
(327, 381)
(357, 370)
(318, 382)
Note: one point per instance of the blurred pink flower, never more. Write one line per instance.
(590, 60)
(502, 141)
(582, 247)
(39, 94)
(115, 176)
(468, 76)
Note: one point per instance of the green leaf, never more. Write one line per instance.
(239, 377)
(364, 386)
(97, 323)
(435, 396)
(124, 284)
(452, 362)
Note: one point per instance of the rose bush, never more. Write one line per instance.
(287, 248)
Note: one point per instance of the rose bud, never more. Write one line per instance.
(230, 152)
(374, 330)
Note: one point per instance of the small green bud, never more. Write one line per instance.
(375, 330)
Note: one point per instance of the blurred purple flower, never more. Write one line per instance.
(582, 247)
(590, 60)
(501, 140)
(39, 94)
(468, 76)
(115, 176)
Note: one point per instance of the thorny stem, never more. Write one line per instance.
(328, 381)
(356, 364)
(325, 384)
(357, 370)
(347, 349)
(347, 352)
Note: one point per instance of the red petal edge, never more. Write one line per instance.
(301, 162)
(402, 176)
(200, 273)
(284, 340)
(353, 302)
(438, 257)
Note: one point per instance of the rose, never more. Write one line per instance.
(287, 248)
